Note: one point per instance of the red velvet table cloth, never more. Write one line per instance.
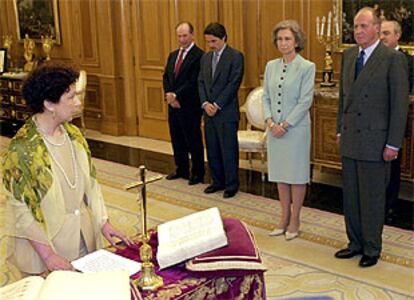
(180, 283)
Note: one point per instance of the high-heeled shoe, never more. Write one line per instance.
(277, 231)
(291, 235)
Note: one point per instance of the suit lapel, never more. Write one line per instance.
(187, 60)
(222, 61)
(171, 65)
(366, 74)
(209, 68)
(369, 67)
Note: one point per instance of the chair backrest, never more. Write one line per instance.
(254, 108)
(80, 86)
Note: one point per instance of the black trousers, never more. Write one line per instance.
(186, 140)
(364, 188)
(223, 153)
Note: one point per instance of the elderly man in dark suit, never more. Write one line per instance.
(370, 127)
(184, 112)
(390, 35)
(221, 73)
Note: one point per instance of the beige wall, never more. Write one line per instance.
(123, 45)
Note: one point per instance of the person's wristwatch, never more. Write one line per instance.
(284, 125)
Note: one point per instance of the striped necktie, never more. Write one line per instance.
(216, 57)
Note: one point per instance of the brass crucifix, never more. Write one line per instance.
(148, 280)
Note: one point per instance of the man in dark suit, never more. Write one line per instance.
(370, 128)
(390, 35)
(184, 112)
(221, 73)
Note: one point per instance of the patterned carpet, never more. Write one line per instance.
(304, 267)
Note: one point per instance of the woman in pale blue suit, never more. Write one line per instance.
(287, 97)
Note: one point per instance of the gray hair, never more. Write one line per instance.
(375, 18)
(397, 26)
(293, 26)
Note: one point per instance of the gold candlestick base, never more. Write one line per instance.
(148, 280)
(327, 76)
(327, 72)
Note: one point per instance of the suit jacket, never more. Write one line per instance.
(293, 103)
(410, 63)
(373, 108)
(185, 84)
(223, 88)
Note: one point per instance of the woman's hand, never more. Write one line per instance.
(109, 232)
(52, 261)
(278, 131)
(55, 262)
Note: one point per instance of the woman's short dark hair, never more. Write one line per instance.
(294, 27)
(217, 30)
(48, 82)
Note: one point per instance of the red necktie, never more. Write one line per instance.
(179, 62)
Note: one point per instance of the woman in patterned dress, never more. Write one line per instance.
(56, 211)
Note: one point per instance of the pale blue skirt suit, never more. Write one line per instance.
(288, 95)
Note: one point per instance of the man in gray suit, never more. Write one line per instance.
(221, 73)
(370, 127)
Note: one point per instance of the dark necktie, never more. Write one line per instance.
(179, 62)
(359, 63)
(215, 62)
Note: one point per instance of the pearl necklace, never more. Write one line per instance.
(44, 135)
(52, 142)
(73, 185)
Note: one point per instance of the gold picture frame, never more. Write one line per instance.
(402, 11)
(37, 18)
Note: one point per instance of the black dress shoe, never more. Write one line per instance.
(347, 253)
(368, 261)
(229, 194)
(195, 179)
(212, 188)
(173, 176)
(391, 217)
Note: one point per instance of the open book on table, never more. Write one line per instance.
(103, 260)
(67, 285)
(187, 237)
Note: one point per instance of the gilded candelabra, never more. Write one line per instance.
(330, 40)
(47, 45)
(148, 280)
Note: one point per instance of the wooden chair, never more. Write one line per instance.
(253, 138)
(81, 91)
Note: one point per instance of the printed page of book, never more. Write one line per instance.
(25, 289)
(190, 236)
(66, 285)
(103, 260)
